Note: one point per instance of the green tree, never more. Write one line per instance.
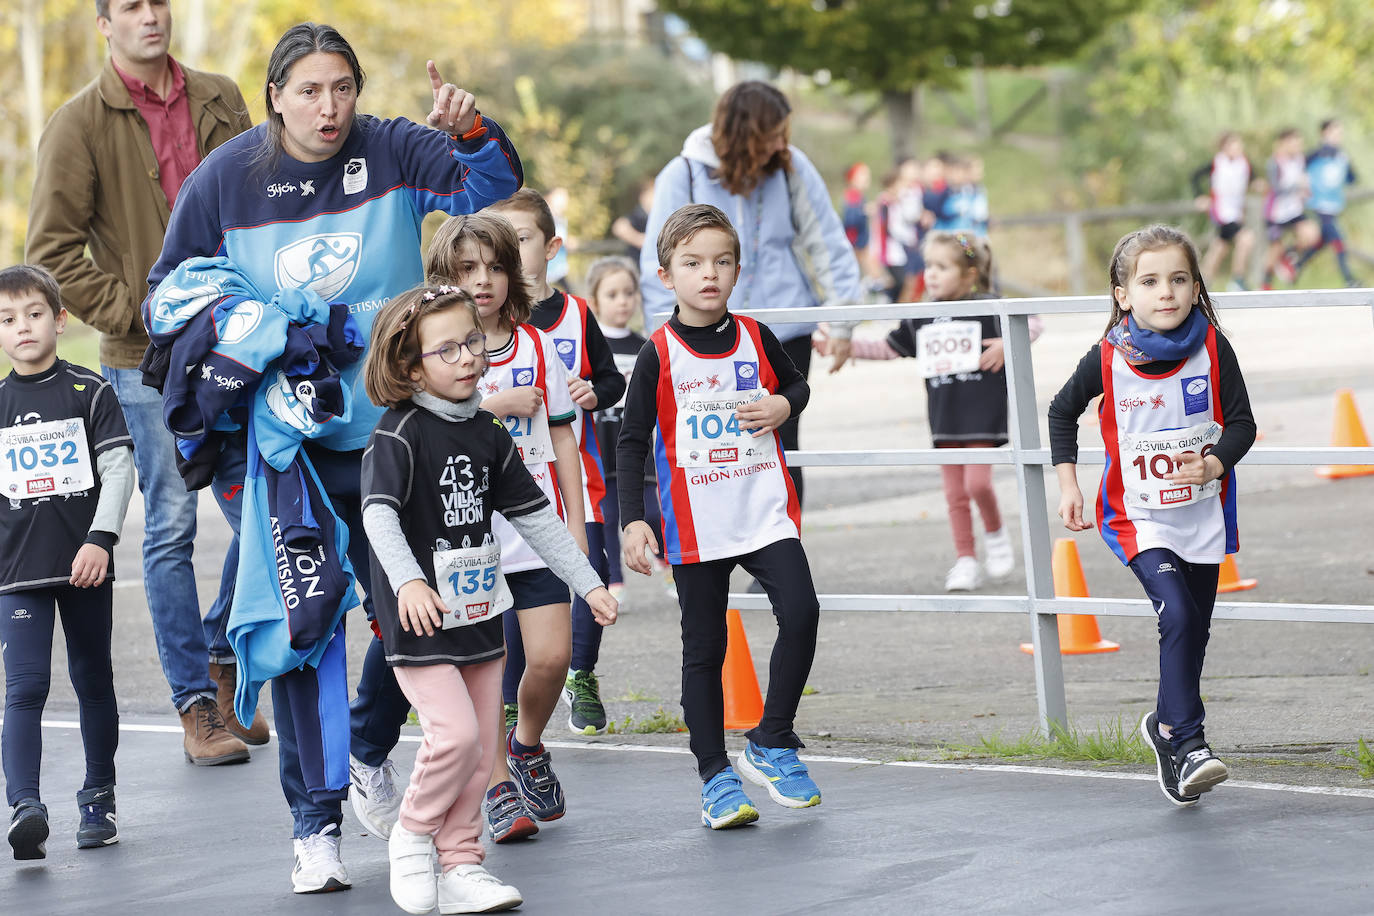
(895, 47)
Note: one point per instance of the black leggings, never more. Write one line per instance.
(26, 627)
(702, 590)
(798, 349)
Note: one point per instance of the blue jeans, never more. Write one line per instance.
(185, 644)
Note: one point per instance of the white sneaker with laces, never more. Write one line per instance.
(372, 790)
(472, 889)
(318, 868)
(413, 884)
(963, 575)
(1001, 558)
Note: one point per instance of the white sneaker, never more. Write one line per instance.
(413, 884)
(471, 889)
(1001, 558)
(317, 867)
(373, 793)
(962, 576)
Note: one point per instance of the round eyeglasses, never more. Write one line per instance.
(476, 344)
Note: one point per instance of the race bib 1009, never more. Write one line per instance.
(1147, 459)
(708, 433)
(45, 459)
(949, 348)
(470, 582)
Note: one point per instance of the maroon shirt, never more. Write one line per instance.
(169, 126)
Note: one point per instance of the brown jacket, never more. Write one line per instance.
(96, 184)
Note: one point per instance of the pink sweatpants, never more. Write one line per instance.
(460, 712)
(963, 481)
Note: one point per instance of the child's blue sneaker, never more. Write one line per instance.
(779, 770)
(724, 804)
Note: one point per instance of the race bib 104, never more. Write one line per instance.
(1147, 459)
(949, 348)
(709, 435)
(470, 582)
(531, 435)
(45, 459)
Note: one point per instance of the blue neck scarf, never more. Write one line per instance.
(1144, 346)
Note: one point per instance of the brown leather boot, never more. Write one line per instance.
(208, 743)
(225, 677)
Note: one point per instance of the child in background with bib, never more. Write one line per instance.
(66, 474)
(708, 393)
(527, 388)
(1175, 419)
(435, 470)
(966, 394)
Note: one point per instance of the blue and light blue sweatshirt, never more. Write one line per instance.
(347, 228)
(1328, 172)
(793, 249)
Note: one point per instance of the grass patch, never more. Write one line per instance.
(808, 691)
(635, 695)
(1117, 742)
(1363, 757)
(661, 722)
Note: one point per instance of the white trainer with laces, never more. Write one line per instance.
(963, 575)
(472, 889)
(318, 868)
(414, 886)
(1001, 558)
(372, 790)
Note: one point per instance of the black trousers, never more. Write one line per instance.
(798, 350)
(702, 589)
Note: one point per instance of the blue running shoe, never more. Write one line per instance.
(538, 785)
(779, 770)
(508, 818)
(29, 830)
(98, 824)
(724, 804)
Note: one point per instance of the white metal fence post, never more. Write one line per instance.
(1024, 427)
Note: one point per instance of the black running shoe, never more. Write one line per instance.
(1165, 768)
(29, 830)
(98, 827)
(1200, 771)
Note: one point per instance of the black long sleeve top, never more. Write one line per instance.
(641, 401)
(606, 379)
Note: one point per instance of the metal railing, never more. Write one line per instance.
(1030, 458)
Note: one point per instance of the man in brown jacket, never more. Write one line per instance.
(110, 164)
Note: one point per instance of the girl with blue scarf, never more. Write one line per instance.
(1175, 419)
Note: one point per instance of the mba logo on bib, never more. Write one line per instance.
(324, 263)
(567, 350)
(1195, 394)
(523, 377)
(746, 376)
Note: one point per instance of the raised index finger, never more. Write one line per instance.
(435, 80)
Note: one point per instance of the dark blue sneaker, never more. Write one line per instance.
(98, 826)
(1166, 769)
(508, 817)
(779, 770)
(724, 804)
(538, 785)
(29, 830)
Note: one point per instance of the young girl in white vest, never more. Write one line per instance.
(527, 387)
(436, 470)
(966, 392)
(708, 393)
(1175, 419)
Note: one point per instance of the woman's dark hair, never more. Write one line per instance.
(747, 117)
(297, 42)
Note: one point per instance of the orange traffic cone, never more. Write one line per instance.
(1078, 633)
(1348, 432)
(743, 702)
(1229, 579)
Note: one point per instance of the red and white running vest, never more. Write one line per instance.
(569, 334)
(722, 492)
(1145, 419)
(532, 362)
